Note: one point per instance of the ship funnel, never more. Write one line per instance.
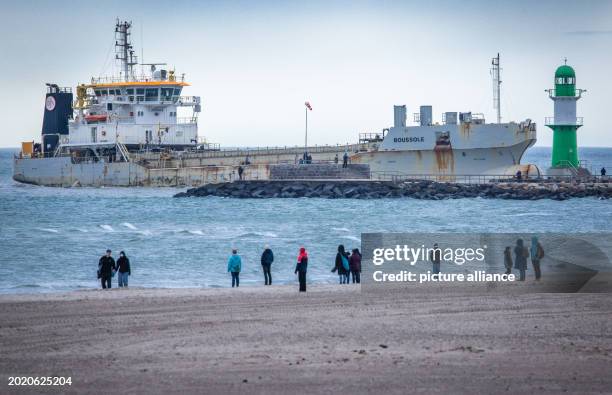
(399, 116)
(58, 110)
(426, 115)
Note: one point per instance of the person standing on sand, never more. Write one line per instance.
(123, 269)
(355, 266)
(434, 258)
(301, 268)
(342, 265)
(508, 259)
(537, 253)
(520, 258)
(266, 262)
(106, 269)
(234, 265)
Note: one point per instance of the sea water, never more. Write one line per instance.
(51, 238)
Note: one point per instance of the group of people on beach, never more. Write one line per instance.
(521, 253)
(345, 264)
(107, 268)
(348, 265)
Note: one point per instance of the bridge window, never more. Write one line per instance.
(151, 94)
(140, 94)
(166, 94)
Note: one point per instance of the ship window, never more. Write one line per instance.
(139, 98)
(151, 94)
(97, 93)
(140, 91)
(177, 91)
(130, 91)
(104, 92)
(166, 93)
(109, 106)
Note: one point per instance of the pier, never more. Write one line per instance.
(416, 189)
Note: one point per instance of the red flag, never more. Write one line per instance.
(307, 104)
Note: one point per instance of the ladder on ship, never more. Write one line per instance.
(122, 149)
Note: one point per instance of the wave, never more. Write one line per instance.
(82, 230)
(341, 229)
(49, 230)
(107, 228)
(196, 232)
(354, 238)
(129, 226)
(259, 234)
(27, 286)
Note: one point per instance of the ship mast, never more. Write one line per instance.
(124, 52)
(496, 76)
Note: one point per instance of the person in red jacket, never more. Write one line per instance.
(301, 267)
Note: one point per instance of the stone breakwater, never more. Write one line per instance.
(353, 189)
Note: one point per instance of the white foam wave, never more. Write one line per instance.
(129, 226)
(354, 238)
(341, 229)
(49, 230)
(107, 228)
(196, 232)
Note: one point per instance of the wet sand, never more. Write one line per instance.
(334, 339)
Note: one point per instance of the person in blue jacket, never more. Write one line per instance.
(234, 265)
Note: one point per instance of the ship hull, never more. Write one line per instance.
(197, 169)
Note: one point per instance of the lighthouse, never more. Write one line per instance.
(564, 124)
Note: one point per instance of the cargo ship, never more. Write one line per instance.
(126, 130)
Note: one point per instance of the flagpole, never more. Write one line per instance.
(306, 133)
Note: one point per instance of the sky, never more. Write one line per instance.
(254, 63)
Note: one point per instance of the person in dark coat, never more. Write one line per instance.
(106, 269)
(123, 269)
(301, 268)
(508, 259)
(537, 253)
(603, 172)
(266, 262)
(435, 257)
(520, 258)
(342, 265)
(355, 266)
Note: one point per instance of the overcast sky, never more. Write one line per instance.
(254, 63)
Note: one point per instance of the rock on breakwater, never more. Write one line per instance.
(366, 189)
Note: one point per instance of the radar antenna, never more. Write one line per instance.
(496, 76)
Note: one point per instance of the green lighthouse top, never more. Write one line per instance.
(565, 81)
(565, 71)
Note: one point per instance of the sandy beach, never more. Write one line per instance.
(332, 339)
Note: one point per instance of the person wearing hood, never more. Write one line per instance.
(123, 269)
(520, 258)
(537, 253)
(266, 262)
(301, 268)
(234, 265)
(342, 265)
(106, 269)
(355, 266)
